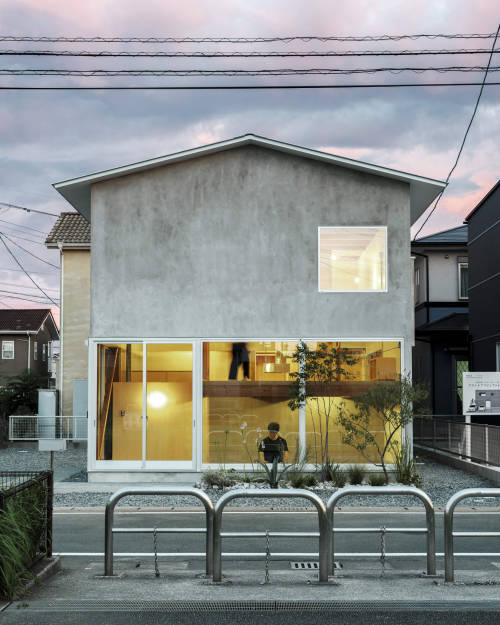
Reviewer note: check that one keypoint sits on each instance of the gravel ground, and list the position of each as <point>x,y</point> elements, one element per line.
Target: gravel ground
<point>439,481</point>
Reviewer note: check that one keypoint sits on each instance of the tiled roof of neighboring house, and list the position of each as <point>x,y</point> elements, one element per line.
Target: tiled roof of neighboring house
<point>454,236</point>
<point>23,319</point>
<point>71,229</point>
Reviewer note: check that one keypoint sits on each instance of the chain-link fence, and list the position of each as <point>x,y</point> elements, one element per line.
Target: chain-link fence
<point>472,441</point>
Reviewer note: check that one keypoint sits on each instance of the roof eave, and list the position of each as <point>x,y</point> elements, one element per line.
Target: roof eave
<point>422,190</point>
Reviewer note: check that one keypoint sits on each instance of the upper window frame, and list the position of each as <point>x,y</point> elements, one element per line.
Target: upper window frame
<point>460,266</point>
<point>363,227</point>
<point>13,350</point>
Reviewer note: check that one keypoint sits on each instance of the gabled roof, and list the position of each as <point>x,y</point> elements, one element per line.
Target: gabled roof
<point>482,201</point>
<point>71,230</point>
<point>18,320</point>
<point>453,236</point>
<point>422,190</point>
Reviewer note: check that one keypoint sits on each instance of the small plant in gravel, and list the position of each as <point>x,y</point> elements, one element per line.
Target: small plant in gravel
<point>356,474</point>
<point>219,478</point>
<point>405,465</point>
<point>377,479</point>
<point>310,480</point>
<point>298,480</point>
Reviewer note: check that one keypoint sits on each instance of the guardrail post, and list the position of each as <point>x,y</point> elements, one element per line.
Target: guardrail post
<point>384,490</point>
<point>274,493</point>
<point>449,565</point>
<point>152,490</point>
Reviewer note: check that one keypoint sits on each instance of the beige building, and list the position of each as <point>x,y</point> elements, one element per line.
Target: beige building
<point>71,235</point>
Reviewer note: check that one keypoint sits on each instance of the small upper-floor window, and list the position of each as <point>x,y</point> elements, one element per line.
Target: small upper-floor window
<point>35,350</point>
<point>44,352</point>
<point>8,350</point>
<point>352,258</point>
<point>463,280</point>
<point>417,285</point>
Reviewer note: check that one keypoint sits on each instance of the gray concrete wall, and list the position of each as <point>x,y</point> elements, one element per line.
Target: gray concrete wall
<point>226,246</point>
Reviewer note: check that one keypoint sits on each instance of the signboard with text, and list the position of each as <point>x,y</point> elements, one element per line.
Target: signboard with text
<point>481,393</point>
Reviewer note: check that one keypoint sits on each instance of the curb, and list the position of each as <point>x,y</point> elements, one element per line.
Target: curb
<point>42,571</point>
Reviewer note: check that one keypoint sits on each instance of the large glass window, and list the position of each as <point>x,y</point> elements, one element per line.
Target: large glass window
<point>246,385</point>
<point>161,392</point>
<point>352,259</point>
<point>119,402</point>
<point>371,361</point>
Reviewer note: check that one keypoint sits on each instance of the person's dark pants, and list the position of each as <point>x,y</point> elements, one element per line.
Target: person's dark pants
<point>233,370</point>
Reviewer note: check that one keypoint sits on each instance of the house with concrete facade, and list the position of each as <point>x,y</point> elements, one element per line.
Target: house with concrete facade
<point>207,268</point>
<point>71,236</point>
<point>27,335</point>
<point>441,353</point>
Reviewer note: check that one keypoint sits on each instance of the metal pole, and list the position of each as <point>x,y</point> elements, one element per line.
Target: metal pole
<point>451,504</point>
<point>384,490</point>
<point>278,493</point>
<point>50,508</point>
<point>155,490</point>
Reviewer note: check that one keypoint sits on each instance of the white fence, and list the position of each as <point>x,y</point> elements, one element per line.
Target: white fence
<point>34,428</point>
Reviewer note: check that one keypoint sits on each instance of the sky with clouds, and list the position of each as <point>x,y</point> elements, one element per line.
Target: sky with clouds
<point>49,136</point>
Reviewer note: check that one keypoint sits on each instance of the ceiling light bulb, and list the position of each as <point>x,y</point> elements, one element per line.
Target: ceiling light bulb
<point>156,399</point>
<point>356,279</point>
<point>333,256</point>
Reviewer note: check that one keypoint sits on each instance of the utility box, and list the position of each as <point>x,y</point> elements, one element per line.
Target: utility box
<point>47,411</point>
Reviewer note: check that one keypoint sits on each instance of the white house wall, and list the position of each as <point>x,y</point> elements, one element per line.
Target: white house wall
<point>226,246</point>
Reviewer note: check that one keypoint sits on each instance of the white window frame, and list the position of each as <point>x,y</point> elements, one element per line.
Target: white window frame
<point>417,285</point>
<point>5,344</point>
<point>460,266</point>
<point>371,226</point>
<point>35,350</point>
<point>197,435</point>
<point>44,352</point>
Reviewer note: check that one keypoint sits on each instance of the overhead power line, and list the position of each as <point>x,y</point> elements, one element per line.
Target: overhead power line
<point>28,252</point>
<point>14,224</point>
<point>29,210</point>
<point>25,272</point>
<point>237,54</point>
<point>318,71</point>
<point>34,297</point>
<point>238,88</point>
<point>464,139</point>
<point>289,39</point>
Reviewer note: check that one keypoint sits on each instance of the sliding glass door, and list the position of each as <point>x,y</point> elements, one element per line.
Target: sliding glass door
<point>145,404</point>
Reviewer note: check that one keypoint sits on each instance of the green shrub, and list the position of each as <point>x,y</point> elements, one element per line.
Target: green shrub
<point>219,478</point>
<point>377,479</point>
<point>339,480</point>
<point>310,480</point>
<point>21,526</point>
<point>335,474</point>
<point>406,468</point>
<point>298,480</point>
<point>356,474</point>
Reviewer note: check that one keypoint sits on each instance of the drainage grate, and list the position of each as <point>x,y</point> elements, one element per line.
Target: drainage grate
<point>308,565</point>
<point>255,606</point>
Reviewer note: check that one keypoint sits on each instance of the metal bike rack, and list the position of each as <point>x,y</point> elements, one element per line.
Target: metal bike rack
<point>279,493</point>
<point>448,525</point>
<point>109,530</point>
<point>430,530</point>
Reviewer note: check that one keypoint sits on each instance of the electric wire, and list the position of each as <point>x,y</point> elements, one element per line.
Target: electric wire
<point>16,235</point>
<point>28,251</point>
<point>236,88</point>
<point>37,297</point>
<point>289,39</point>
<point>243,55</point>
<point>29,210</point>
<point>318,71</point>
<point>24,270</point>
<point>33,301</point>
<point>463,140</point>
<point>22,286</point>
<point>14,224</point>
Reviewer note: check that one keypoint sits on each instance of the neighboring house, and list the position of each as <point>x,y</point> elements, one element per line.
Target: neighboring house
<point>26,336</point>
<point>71,235</point>
<point>484,283</point>
<point>207,267</point>
<point>441,352</point>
